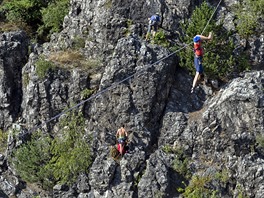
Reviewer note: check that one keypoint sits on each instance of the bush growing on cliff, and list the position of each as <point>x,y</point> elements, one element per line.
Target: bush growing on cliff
<point>3,140</point>
<point>248,13</point>
<point>218,60</point>
<point>52,16</point>
<point>31,158</point>
<point>44,16</point>
<point>70,152</point>
<point>61,159</point>
<point>42,67</point>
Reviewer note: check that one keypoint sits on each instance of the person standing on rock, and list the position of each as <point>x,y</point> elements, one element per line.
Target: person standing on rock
<point>121,136</point>
<point>198,56</point>
<point>154,22</point>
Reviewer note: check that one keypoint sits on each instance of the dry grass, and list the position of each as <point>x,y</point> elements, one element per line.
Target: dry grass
<point>8,27</point>
<point>73,58</point>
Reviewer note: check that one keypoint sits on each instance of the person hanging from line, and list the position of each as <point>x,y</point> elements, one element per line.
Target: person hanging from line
<point>154,22</point>
<point>198,57</point>
<point>121,136</point>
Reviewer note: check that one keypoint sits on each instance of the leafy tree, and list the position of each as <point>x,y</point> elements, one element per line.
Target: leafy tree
<point>31,158</point>
<point>248,13</point>
<point>61,159</point>
<point>70,152</point>
<point>218,59</point>
<point>27,11</point>
<point>53,15</point>
<point>45,16</point>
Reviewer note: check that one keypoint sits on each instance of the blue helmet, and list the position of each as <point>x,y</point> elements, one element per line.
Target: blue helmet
<point>196,39</point>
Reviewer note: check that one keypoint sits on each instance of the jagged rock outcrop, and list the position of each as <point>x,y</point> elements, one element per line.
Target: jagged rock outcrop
<point>215,130</point>
<point>13,56</point>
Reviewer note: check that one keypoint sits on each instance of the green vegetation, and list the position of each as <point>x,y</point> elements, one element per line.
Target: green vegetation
<point>108,4</point>
<point>222,176</point>
<point>78,42</point>
<point>30,159</point>
<point>60,159</point>
<point>25,79</point>
<point>160,39</point>
<point>86,93</point>
<point>181,161</point>
<point>197,188</point>
<point>248,13</point>
<point>70,152</point>
<point>181,166</point>
<point>241,193</point>
<point>218,60</point>
<point>167,149</point>
<point>3,141</point>
<point>45,17</point>
<point>202,186</point>
<point>53,16</point>
<point>42,67</point>
<point>260,140</point>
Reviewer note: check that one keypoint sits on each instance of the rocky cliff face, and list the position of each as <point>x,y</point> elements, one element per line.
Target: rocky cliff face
<point>214,131</point>
<point>13,56</point>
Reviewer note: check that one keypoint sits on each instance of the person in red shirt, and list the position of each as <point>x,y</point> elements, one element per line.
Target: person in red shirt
<point>198,57</point>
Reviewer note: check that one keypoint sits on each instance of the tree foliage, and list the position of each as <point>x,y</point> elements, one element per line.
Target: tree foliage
<point>30,159</point>
<point>218,59</point>
<point>70,152</point>
<point>60,159</point>
<point>45,16</point>
<point>248,13</point>
<point>27,11</point>
<point>53,15</point>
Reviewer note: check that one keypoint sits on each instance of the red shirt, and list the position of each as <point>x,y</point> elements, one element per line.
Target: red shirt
<point>198,50</point>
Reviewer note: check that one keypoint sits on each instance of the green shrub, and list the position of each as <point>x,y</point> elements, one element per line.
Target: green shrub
<point>25,79</point>
<point>222,176</point>
<point>218,60</point>
<point>248,14</point>
<point>181,166</point>
<point>260,140</point>
<point>160,39</point>
<point>86,93</point>
<point>42,67</point>
<point>70,152</point>
<point>167,148</point>
<point>27,11</point>
<point>53,16</point>
<point>45,17</point>
<point>197,188</point>
<point>30,159</point>
<point>49,161</point>
<point>3,141</point>
<point>78,42</point>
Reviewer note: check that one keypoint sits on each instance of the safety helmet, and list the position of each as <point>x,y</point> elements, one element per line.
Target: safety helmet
<point>196,39</point>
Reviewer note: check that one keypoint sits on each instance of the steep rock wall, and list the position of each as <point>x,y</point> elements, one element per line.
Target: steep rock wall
<point>13,56</point>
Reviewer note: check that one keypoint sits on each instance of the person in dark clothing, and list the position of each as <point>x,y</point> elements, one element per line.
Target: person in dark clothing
<point>154,22</point>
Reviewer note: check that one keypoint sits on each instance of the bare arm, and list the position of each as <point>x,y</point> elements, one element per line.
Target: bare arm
<point>209,37</point>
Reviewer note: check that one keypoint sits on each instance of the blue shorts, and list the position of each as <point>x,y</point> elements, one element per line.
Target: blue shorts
<point>198,64</point>
<point>121,140</point>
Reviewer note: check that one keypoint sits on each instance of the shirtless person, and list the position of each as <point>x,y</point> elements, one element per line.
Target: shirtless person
<point>121,136</point>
